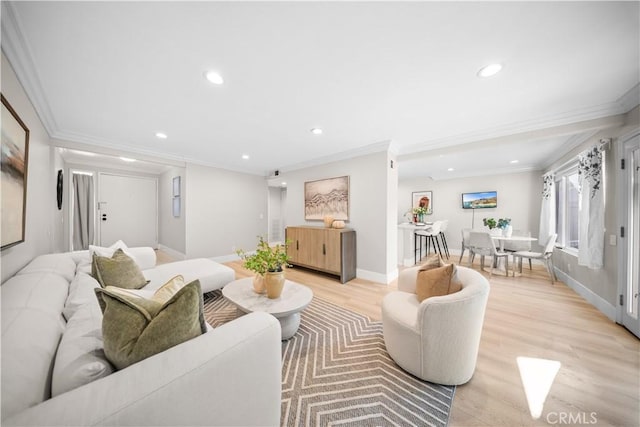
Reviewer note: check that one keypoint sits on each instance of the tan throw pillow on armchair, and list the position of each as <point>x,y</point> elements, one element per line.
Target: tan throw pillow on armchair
<point>135,327</point>
<point>437,282</point>
<point>434,261</point>
<point>120,271</point>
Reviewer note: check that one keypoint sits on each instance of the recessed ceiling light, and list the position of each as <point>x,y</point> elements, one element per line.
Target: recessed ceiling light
<point>513,161</point>
<point>316,131</point>
<point>490,70</point>
<point>245,156</point>
<point>450,169</point>
<point>214,77</point>
<point>284,183</point>
<point>126,159</point>
<point>161,135</point>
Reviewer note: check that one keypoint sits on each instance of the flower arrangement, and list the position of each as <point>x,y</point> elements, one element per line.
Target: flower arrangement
<point>420,210</point>
<point>503,223</point>
<point>266,258</point>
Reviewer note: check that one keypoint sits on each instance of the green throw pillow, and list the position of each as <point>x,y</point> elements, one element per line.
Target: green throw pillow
<point>120,271</point>
<point>135,327</point>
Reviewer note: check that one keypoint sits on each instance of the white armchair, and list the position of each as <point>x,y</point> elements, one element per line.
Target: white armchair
<point>436,340</point>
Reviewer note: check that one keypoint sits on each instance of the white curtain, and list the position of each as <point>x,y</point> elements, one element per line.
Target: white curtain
<point>548,208</point>
<point>591,246</point>
<point>83,218</point>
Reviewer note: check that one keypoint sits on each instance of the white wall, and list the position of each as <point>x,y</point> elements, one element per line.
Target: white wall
<point>227,211</point>
<point>368,187</point>
<point>40,233</point>
<point>518,198</point>
<point>171,230</point>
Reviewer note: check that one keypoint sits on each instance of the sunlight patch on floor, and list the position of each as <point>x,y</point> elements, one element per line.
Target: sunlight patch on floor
<point>537,376</point>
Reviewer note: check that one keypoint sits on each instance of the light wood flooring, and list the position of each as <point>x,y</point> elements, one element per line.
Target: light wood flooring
<point>599,377</point>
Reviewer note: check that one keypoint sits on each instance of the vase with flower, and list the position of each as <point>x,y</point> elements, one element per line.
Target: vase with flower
<point>505,225</point>
<point>419,213</point>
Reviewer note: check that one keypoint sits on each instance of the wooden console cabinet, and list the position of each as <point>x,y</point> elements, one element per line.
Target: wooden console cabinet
<point>329,250</point>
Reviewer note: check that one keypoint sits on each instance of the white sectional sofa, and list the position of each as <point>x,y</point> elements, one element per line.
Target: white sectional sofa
<point>54,371</point>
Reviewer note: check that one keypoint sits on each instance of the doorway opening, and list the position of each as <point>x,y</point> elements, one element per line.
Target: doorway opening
<point>628,308</point>
<point>81,210</point>
<point>277,199</point>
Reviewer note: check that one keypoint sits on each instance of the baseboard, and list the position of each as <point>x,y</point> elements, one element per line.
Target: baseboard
<point>385,279</point>
<point>591,297</point>
<point>172,252</point>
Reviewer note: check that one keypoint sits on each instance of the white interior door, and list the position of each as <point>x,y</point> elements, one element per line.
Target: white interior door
<point>630,300</point>
<point>128,210</point>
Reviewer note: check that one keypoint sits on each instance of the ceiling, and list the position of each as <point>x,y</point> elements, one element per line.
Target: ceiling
<point>372,75</point>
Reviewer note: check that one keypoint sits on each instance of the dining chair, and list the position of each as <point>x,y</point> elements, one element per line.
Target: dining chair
<point>518,245</point>
<point>443,228</point>
<point>481,243</point>
<point>544,256</point>
<point>465,244</point>
<point>430,238</point>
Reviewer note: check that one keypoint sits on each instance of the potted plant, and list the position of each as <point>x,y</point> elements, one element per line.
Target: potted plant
<point>268,263</point>
<point>493,226</point>
<point>489,222</point>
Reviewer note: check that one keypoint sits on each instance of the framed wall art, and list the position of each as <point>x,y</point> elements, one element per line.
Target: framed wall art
<point>59,188</point>
<point>422,199</point>
<point>327,197</point>
<point>175,207</point>
<point>15,159</point>
<point>176,186</point>
<point>175,202</point>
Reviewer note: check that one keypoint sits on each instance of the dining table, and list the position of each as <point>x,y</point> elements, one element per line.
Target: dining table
<point>502,239</point>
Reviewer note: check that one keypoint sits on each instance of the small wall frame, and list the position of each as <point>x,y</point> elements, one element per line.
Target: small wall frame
<point>422,199</point>
<point>176,186</point>
<point>175,203</point>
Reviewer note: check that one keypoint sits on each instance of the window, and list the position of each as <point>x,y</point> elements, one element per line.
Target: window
<point>568,207</point>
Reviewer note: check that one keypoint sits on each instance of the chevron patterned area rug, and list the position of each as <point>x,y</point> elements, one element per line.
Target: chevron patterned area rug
<point>336,371</point>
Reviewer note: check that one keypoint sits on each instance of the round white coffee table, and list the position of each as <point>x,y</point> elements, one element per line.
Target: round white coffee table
<point>286,309</point>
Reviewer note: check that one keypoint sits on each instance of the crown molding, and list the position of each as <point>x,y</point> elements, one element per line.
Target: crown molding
<point>103,146</point>
<point>593,125</point>
<point>571,143</point>
<point>631,99</point>
<point>492,172</point>
<point>18,53</point>
<point>584,118</point>
<point>377,147</point>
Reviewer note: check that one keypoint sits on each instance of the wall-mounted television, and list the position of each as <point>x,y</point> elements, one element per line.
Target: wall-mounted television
<point>480,200</point>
